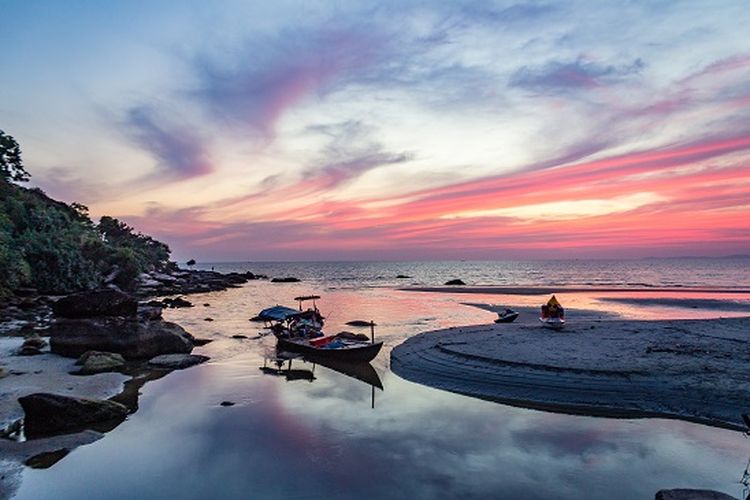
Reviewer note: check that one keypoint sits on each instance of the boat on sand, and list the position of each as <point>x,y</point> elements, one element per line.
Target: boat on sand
<point>553,314</point>
<point>507,316</point>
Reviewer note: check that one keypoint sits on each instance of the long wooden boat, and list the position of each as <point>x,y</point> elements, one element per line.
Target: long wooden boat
<point>332,348</point>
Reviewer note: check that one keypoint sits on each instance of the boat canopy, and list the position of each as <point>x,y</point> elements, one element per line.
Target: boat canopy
<point>278,313</point>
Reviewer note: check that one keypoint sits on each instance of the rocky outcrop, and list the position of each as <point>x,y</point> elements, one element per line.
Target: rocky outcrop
<point>454,282</point>
<point>47,414</point>
<point>184,282</point>
<point>99,362</point>
<point>96,303</point>
<point>177,361</point>
<point>288,279</point>
<point>129,337</point>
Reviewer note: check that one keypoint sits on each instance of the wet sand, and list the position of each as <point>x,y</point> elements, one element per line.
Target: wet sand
<point>535,290</point>
<point>697,370</point>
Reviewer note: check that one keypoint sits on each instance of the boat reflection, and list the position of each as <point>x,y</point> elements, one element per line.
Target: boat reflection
<point>279,363</point>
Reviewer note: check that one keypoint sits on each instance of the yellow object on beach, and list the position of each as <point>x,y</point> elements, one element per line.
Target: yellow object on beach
<point>553,303</point>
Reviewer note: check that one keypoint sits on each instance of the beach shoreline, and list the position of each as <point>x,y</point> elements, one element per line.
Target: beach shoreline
<point>694,370</point>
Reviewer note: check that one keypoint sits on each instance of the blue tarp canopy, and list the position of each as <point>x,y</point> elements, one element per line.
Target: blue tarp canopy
<point>277,313</point>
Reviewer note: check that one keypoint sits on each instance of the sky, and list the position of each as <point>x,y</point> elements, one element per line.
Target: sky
<point>240,131</point>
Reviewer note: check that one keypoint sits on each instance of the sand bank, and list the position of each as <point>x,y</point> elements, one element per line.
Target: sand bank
<point>696,370</point>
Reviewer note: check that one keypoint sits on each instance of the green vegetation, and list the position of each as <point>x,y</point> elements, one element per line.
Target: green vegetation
<point>55,247</point>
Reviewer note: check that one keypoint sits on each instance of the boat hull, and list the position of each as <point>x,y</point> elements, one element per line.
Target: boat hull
<point>366,352</point>
<point>510,318</point>
<point>553,323</point>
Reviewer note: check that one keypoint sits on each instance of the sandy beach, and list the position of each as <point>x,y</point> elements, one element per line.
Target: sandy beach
<point>695,370</point>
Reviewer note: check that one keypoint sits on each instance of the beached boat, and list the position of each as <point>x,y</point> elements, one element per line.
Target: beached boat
<point>301,331</point>
<point>553,314</point>
<point>507,316</point>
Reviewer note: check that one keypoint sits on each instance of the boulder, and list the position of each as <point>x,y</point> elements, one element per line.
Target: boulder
<point>131,338</point>
<point>177,302</point>
<point>177,361</point>
<point>149,313</point>
<point>455,282</point>
<point>34,340</point>
<point>288,279</point>
<point>98,362</point>
<point>689,494</point>
<point>46,414</point>
<point>402,277</point>
<point>96,303</point>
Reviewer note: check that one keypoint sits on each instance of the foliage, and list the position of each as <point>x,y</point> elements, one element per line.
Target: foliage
<point>11,166</point>
<point>56,248</point>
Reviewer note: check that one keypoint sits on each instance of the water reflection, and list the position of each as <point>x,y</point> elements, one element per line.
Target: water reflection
<point>319,437</point>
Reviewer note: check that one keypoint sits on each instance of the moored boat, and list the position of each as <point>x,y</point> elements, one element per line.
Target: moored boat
<point>553,314</point>
<point>301,331</point>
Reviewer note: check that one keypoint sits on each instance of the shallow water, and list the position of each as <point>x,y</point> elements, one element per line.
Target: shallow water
<point>323,438</point>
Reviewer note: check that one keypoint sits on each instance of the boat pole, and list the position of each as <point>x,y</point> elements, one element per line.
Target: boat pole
<point>372,331</point>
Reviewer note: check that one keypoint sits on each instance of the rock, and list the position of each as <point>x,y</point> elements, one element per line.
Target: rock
<point>47,414</point>
<point>149,313</point>
<point>208,319</point>
<point>689,494</point>
<point>47,459</point>
<point>96,303</point>
<point>402,277</point>
<point>455,282</point>
<point>200,342</point>
<point>288,279</point>
<point>131,338</point>
<point>227,403</point>
<point>34,340</point>
<point>177,302</point>
<point>27,350</point>
<point>177,361</point>
<point>239,336</point>
<point>98,362</point>
<point>206,305</point>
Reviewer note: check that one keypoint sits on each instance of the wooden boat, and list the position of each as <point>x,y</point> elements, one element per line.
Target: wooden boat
<point>507,316</point>
<point>301,331</point>
<point>553,314</point>
<point>331,347</point>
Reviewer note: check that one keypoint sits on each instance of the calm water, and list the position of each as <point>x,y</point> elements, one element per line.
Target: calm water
<point>317,434</point>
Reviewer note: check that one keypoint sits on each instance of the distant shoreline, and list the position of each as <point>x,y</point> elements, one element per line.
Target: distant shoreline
<point>542,290</point>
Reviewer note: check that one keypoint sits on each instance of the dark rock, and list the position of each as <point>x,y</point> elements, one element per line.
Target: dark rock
<point>358,322</point>
<point>27,350</point>
<point>149,313</point>
<point>96,303</point>
<point>34,340</point>
<point>131,338</point>
<point>227,403</point>
<point>200,342</point>
<point>455,282</point>
<point>47,414</point>
<point>206,305</point>
<point>288,279</point>
<point>177,302</point>
<point>177,361</point>
<point>689,494</point>
<point>239,336</point>
<point>208,319</point>
<point>402,277</point>
<point>47,459</point>
<point>99,362</point>
<point>27,304</point>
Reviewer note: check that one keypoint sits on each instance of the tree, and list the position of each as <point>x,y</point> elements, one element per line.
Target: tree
<point>11,166</point>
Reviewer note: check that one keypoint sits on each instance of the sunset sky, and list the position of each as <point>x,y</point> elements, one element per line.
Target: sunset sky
<point>391,130</point>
